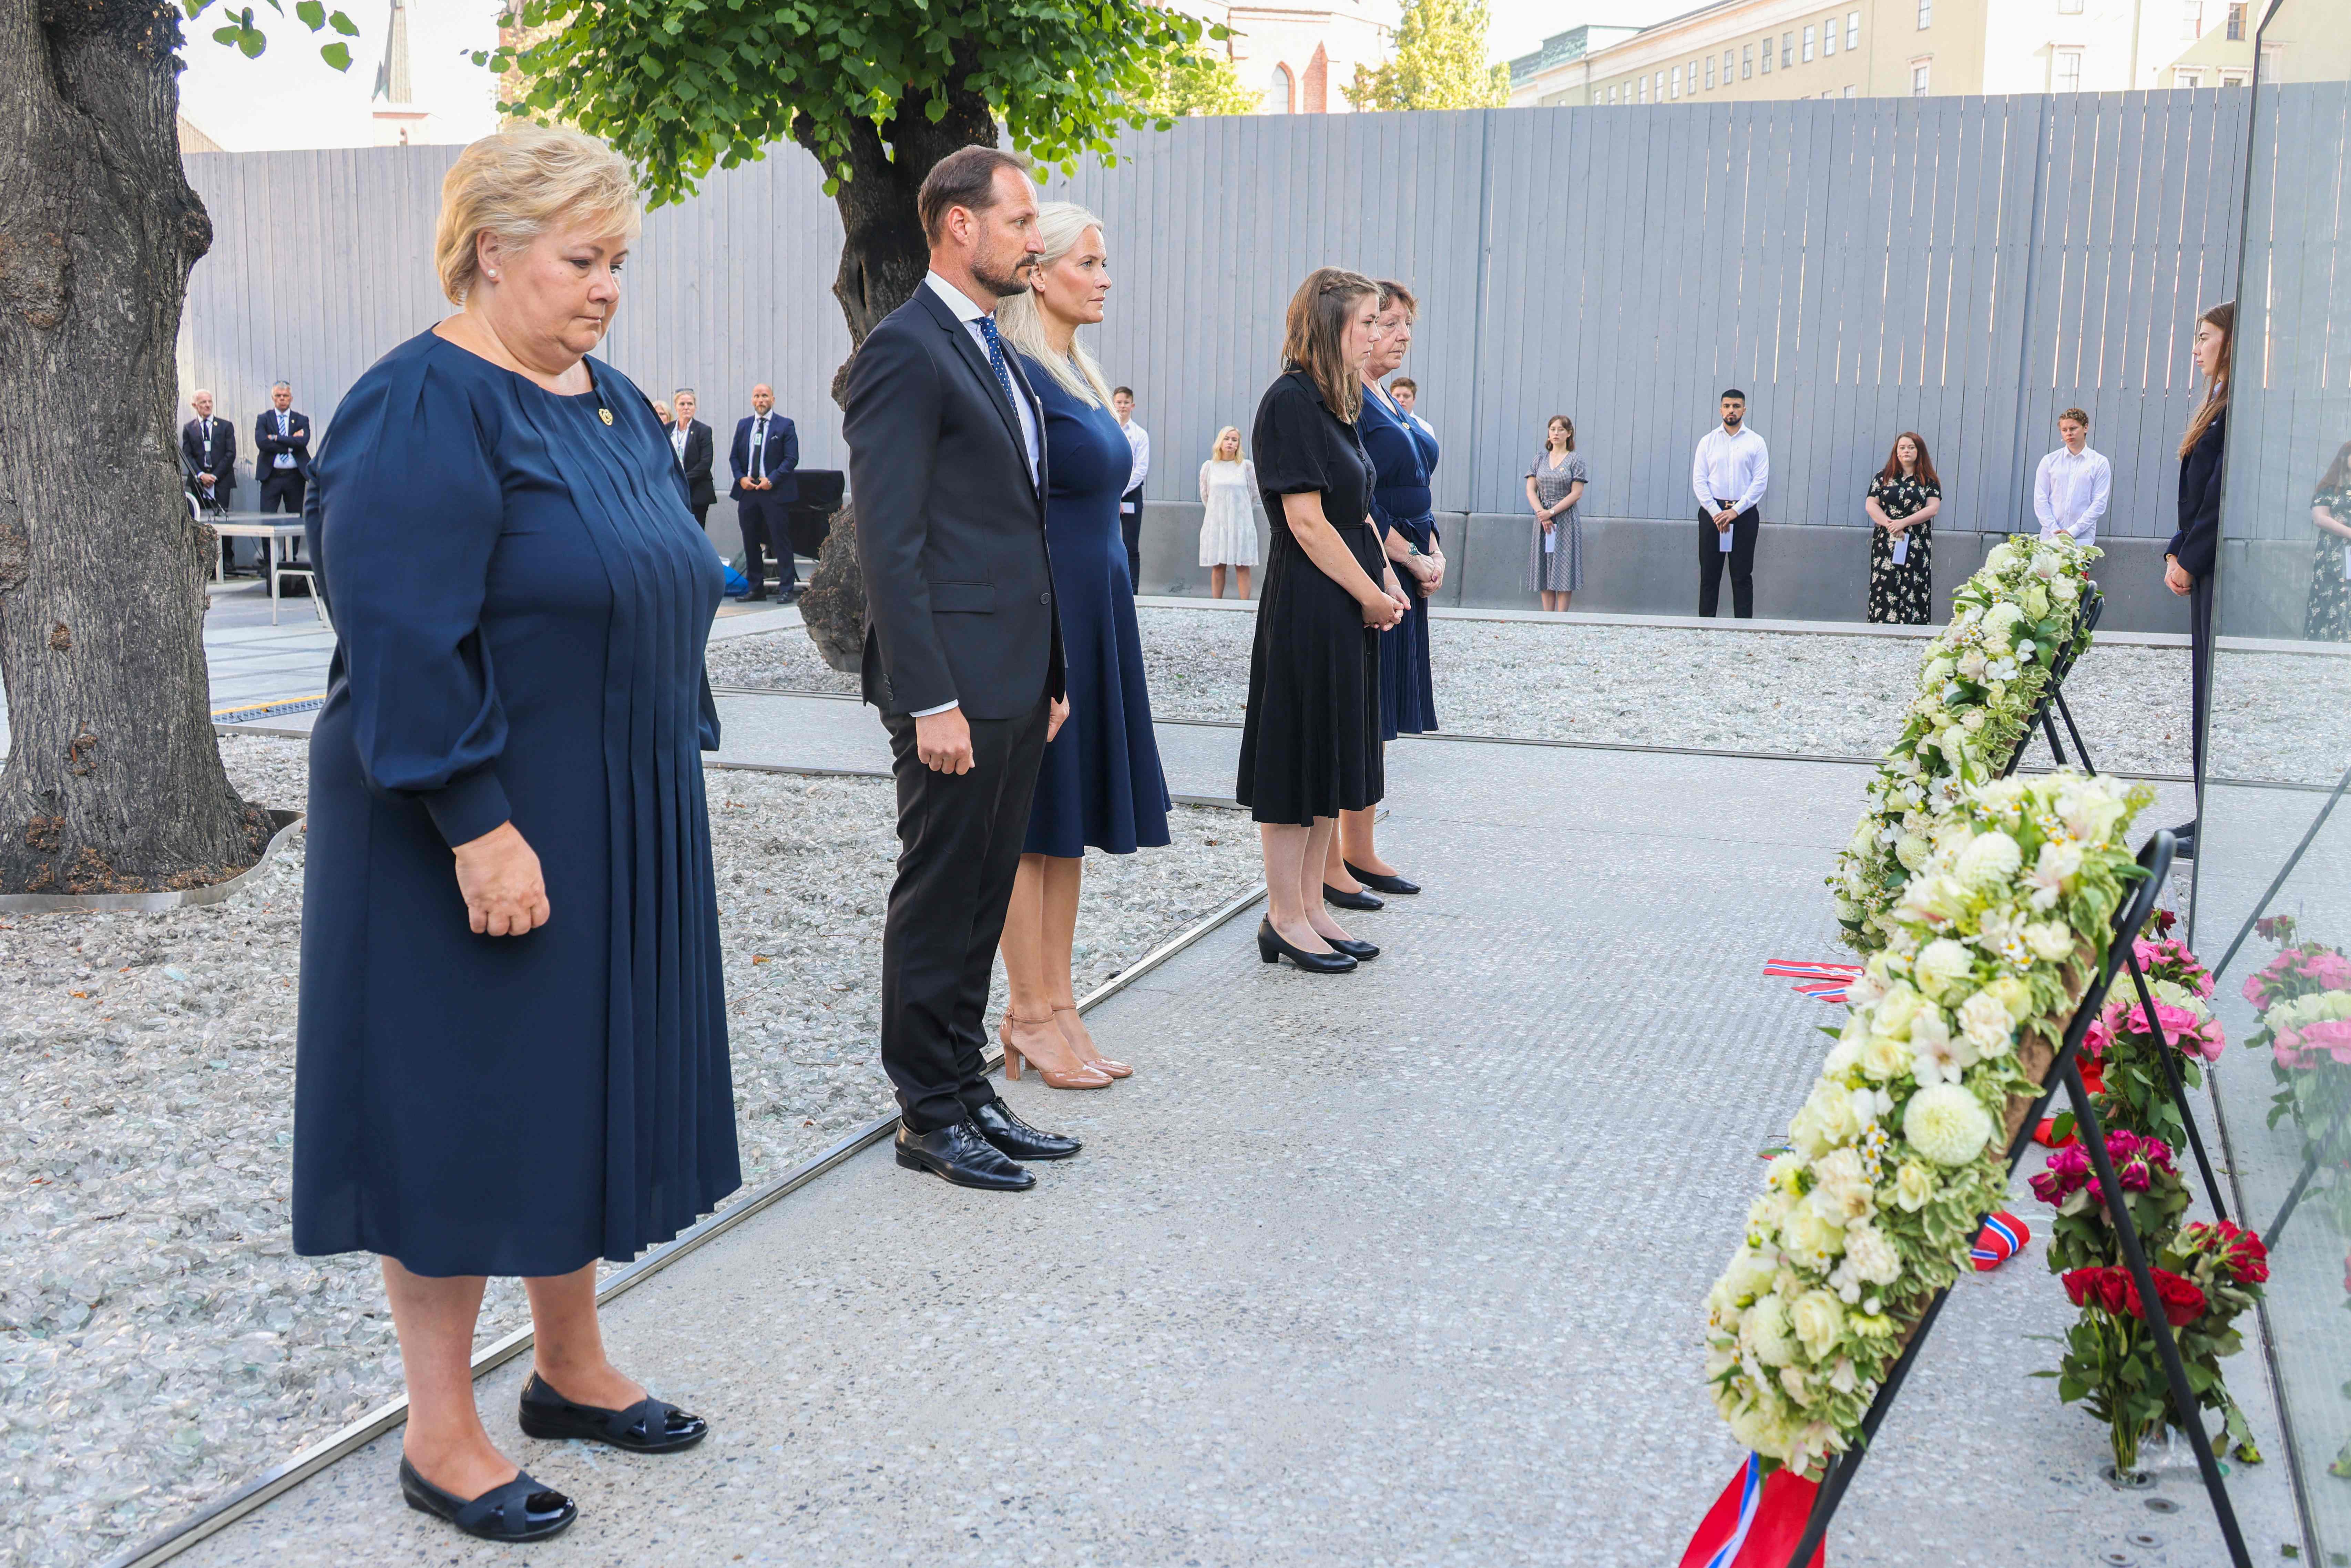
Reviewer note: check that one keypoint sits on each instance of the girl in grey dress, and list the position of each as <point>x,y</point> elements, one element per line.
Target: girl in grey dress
<point>1555,483</point>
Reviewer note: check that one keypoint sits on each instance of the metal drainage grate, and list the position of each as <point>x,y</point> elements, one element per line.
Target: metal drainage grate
<point>265,711</point>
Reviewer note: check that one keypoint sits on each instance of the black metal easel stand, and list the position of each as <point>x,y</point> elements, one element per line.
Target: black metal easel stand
<point>2178,1086</point>
<point>2156,859</point>
<point>2322,1149</point>
<point>2253,916</point>
<point>2052,706</point>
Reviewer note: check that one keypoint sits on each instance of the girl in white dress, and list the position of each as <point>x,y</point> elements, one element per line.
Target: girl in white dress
<point>1229,531</point>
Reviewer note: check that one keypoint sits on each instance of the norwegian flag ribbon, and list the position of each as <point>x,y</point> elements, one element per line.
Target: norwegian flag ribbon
<point>2004,1237</point>
<point>1823,982</point>
<point>1756,1523</point>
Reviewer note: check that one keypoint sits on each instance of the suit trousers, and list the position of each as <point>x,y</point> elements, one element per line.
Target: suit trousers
<point>281,491</point>
<point>1741,556</point>
<point>1130,529</point>
<point>701,516</point>
<point>2199,674</point>
<point>959,838</point>
<point>762,519</point>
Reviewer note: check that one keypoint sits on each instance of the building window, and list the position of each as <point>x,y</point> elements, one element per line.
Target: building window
<point>1770,49</point>
<point>1919,79</point>
<point>1926,15</point>
<point>2192,20</point>
<point>1277,91</point>
<point>2232,78</point>
<point>2236,23</point>
<point>1852,29</point>
<point>1787,51</point>
<point>1709,73</point>
<point>2067,77</point>
<point>1848,89</point>
<point>1747,62</point>
<point>1810,36</point>
<point>2187,78</point>
<point>1828,37</point>
<point>1675,89</point>
<point>1727,59</point>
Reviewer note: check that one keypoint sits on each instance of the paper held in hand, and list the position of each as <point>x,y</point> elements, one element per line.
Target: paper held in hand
<point>1722,538</point>
<point>1551,541</point>
<point>1901,549</point>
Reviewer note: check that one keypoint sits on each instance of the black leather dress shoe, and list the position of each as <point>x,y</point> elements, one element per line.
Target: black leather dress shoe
<point>1350,900</point>
<point>1373,879</point>
<point>647,1427</point>
<point>522,1509</point>
<point>1015,1139</point>
<point>1273,949</point>
<point>960,1154</point>
<point>1361,952</point>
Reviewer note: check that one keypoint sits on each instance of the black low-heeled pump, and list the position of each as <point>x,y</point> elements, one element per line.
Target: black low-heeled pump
<point>522,1509</point>
<point>647,1427</point>
<point>1350,900</point>
<point>1273,949</point>
<point>1361,952</point>
<point>1380,881</point>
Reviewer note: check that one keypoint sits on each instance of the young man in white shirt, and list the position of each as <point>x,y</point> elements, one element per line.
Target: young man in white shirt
<point>2073,484</point>
<point>1729,474</point>
<point>1130,505</point>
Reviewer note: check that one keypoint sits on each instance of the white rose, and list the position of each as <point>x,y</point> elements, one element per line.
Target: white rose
<point>1971,663</point>
<point>2050,940</point>
<point>2064,590</point>
<point>1817,1321</point>
<point>2000,559</point>
<point>2035,598</point>
<point>1914,1187</point>
<point>1809,1233</point>
<point>1883,1059</point>
<point>1985,1023</point>
<point>1990,859</point>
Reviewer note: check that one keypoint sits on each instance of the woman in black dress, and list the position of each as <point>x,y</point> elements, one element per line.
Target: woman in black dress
<point>505,1063</point>
<point>2189,559</point>
<point>2328,616</point>
<point>1902,499</point>
<point>1310,744</point>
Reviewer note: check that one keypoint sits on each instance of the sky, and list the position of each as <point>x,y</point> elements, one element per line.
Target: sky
<point>289,97</point>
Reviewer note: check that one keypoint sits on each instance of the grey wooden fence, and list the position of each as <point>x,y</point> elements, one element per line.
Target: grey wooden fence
<point>1961,266</point>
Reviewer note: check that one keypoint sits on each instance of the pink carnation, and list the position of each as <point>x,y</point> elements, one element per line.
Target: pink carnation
<point>2297,971</point>
<point>2195,1036</point>
<point>2169,959</point>
<point>2304,1047</point>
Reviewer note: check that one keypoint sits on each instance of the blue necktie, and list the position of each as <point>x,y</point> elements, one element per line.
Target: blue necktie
<point>995,360</point>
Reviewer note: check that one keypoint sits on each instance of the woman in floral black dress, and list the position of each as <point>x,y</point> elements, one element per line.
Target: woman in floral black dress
<point>1902,502</point>
<point>2329,616</point>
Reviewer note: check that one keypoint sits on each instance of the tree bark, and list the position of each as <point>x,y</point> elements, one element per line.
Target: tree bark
<point>883,258</point>
<point>113,782</point>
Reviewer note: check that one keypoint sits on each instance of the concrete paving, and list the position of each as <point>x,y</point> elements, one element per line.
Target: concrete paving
<point>1399,1267</point>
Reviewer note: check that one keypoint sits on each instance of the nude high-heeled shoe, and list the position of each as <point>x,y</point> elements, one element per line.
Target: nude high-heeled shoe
<point>1072,1026</point>
<point>1064,1072</point>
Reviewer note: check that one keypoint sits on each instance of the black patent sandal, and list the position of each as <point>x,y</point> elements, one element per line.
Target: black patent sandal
<point>522,1509</point>
<point>647,1427</point>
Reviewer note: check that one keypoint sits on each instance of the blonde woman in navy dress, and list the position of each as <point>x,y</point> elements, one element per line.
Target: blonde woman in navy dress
<point>512,1046</point>
<point>1100,785</point>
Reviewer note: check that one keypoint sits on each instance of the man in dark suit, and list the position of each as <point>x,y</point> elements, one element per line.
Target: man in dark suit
<point>281,451</point>
<point>208,455</point>
<point>766,451</point>
<point>696,451</point>
<point>962,651</point>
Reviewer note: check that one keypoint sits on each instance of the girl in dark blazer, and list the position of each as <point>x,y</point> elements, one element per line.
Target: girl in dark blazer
<point>2190,558</point>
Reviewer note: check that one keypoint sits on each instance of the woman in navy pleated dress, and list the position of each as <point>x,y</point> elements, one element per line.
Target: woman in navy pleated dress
<point>1404,455</point>
<point>512,1053</point>
<point>1101,786</point>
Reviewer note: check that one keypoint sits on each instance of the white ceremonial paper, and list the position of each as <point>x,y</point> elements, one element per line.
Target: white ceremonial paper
<point>1551,541</point>
<point>1901,549</point>
<point>2347,560</point>
<point>1722,538</point>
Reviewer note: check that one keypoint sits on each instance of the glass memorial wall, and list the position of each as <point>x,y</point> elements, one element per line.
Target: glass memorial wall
<point>2273,866</point>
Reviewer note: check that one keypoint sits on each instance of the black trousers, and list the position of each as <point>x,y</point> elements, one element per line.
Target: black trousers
<point>701,515</point>
<point>2199,674</point>
<point>1741,556</point>
<point>761,514</point>
<point>1130,528</point>
<point>959,838</point>
<point>281,491</point>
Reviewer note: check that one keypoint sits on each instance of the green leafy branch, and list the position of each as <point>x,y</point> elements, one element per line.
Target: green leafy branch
<point>240,33</point>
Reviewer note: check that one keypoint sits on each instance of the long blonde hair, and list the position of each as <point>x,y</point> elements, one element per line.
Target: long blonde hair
<point>2223,315</point>
<point>1312,331</point>
<point>1022,322</point>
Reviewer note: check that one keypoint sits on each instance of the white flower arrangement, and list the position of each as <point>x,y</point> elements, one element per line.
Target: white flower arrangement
<point>1979,682</point>
<point>1900,1149</point>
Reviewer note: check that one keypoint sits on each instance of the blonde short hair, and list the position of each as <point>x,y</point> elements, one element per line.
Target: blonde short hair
<point>521,182</point>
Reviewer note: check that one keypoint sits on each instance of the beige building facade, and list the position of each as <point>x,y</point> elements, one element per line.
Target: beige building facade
<point>1300,57</point>
<point>1741,49</point>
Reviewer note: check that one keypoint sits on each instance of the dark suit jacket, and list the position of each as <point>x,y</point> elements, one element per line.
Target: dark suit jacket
<point>267,445</point>
<point>219,459</point>
<point>950,526</point>
<point>2198,542</point>
<point>783,456</point>
<point>701,452</point>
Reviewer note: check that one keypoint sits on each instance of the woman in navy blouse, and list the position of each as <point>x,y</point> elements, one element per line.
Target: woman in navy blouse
<point>2195,548</point>
<point>1100,785</point>
<point>1404,455</point>
<point>512,1050</point>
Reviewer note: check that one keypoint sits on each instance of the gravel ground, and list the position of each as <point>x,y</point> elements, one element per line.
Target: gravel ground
<point>1734,690</point>
<point>159,1341</point>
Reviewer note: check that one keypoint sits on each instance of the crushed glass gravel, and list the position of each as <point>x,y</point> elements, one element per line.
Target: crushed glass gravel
<point>160,1341</point>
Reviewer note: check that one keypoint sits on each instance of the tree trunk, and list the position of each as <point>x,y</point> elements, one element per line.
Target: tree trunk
<point>883,258</point>
<point>113,782</point>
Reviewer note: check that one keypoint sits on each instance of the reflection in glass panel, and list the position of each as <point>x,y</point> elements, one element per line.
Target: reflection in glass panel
<point>2272,840</point>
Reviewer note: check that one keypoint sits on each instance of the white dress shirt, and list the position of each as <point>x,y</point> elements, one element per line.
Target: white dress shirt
<point>1138,442</point>
<point>677,433</point>
<point>969,314</point>
<point>1734,468</point>
<point>2070,494</point>
<point>285,429</point>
